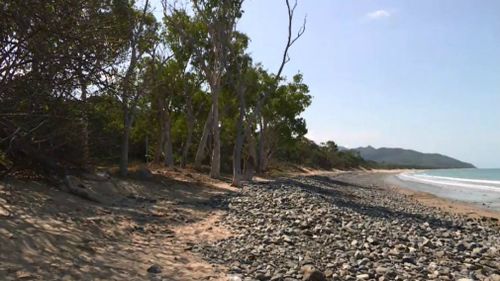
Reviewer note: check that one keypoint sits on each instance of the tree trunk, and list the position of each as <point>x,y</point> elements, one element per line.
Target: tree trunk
<point>85,128</point>
<point>159,148</point>
<point>259,142</point>
<point>251,162</point>
<point>146,149</point>
<point>215,163</point>
<point>238,147</point>
<point>240,136</point>
<point>169,157</point>
<point>161,135</point>
<point>200,152</point>
<point>190,126</point>
<point>262,148</point>
<point>125,143</point>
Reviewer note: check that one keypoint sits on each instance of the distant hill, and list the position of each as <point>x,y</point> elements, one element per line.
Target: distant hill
<point>409,158</point>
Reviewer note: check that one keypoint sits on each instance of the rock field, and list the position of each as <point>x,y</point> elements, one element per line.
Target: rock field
<point>319,228</point>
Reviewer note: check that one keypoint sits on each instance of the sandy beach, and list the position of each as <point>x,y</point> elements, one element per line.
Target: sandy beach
<point>185,226</point>
<point>432,196</point>
<point>488,199</point>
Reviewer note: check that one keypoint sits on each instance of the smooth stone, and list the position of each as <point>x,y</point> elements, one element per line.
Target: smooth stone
<point>4,212</point>
<point>313,275</point>
<point>494,277</point>
<point>362,277</point>
<point>381,270</point>
<point>262,277</point>
<point>329,273</point>
<point>155,269</point>
<point>234,278</point>
<point>408,259</point>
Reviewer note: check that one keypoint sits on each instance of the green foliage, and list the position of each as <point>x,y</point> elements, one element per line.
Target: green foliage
<point>87,67</point>
<point>323,156</point>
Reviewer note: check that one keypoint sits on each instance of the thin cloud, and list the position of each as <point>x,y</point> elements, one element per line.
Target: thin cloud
<point>378,14</point>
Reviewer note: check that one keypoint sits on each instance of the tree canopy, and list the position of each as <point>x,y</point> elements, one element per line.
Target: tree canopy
<point>85,82</point>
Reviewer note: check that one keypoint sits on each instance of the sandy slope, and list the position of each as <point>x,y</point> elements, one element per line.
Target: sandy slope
<point>47,234</point>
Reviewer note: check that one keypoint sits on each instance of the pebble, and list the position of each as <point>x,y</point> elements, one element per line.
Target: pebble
<point>234,278</point>
<point>155,269</point>
<point>314,275</point>
<point>313,227</point>
<point>4,212</point>
<point>363,277</point>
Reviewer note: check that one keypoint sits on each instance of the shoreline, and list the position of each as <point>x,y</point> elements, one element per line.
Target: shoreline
<point>387,179</point>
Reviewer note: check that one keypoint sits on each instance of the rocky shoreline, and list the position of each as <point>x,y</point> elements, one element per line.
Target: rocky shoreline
<point>320,228</point>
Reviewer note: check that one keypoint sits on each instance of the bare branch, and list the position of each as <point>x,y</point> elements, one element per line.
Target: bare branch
<point>291,40</point>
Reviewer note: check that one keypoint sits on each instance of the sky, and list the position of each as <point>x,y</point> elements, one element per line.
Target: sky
<point>416,74</point>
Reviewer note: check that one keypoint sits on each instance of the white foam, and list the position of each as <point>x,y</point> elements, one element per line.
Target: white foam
<point>495,183</point>
<point>452,182</point>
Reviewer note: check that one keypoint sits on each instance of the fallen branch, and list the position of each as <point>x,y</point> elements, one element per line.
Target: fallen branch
<point>74,186</point>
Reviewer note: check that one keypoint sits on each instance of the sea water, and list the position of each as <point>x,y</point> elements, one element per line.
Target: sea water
<point>479,186</point>
<point>485,179</point>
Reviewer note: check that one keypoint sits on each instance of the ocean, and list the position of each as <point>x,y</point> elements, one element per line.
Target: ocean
<point>477,186</point>
<point>484,179</point>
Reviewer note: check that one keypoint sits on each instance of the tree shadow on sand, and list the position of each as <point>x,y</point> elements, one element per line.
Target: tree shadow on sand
<point>52,235</point>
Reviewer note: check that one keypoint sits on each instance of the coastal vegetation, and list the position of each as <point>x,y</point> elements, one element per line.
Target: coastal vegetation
<point>109,83</point>
<point>146,143</point>
<point>106,82</point>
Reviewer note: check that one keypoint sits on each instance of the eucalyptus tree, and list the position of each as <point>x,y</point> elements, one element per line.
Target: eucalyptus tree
<point>158,85</point>
<point>291,39</point>
<point>212,29</point>
<point>186,35</point>
<point>142,34</point>
<point>168,95</point>
<point>219,18</point>
<point>280,122</point>
<point>182,37</point>
<point>241,81</point>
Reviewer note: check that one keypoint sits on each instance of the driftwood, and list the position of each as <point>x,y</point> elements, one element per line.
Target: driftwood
<point>74,186</point>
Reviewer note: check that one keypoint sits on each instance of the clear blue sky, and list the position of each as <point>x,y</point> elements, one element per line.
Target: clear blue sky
<point>419,74</point>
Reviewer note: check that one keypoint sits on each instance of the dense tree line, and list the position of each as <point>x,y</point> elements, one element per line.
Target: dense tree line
<point>90,81</point>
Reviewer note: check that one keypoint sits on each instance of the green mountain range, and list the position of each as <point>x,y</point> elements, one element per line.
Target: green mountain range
<point>405,158</point>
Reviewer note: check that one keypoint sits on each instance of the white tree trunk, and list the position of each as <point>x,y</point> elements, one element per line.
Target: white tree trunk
<point>200,152</point>
<point>215,163</point>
